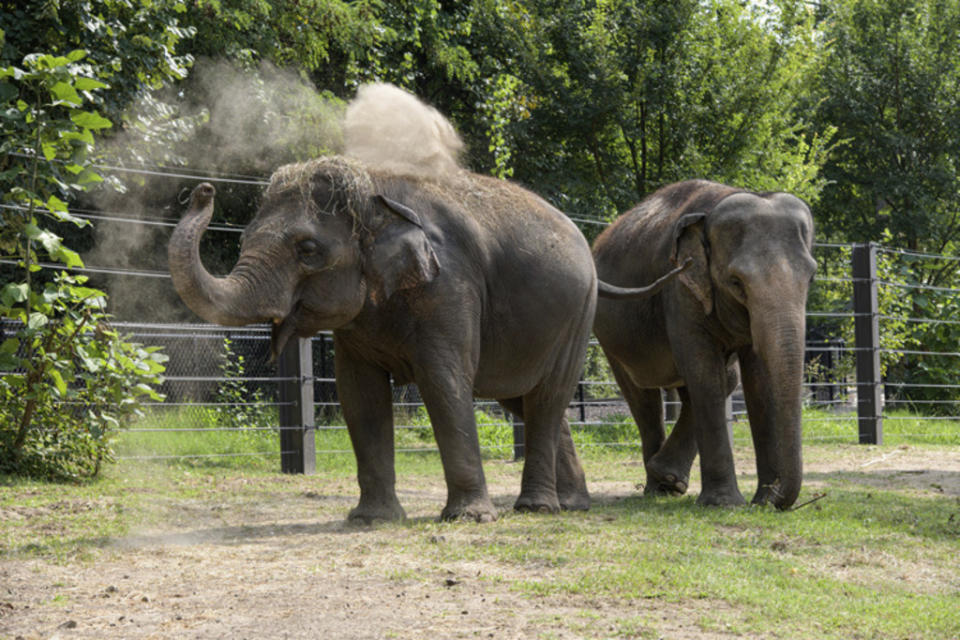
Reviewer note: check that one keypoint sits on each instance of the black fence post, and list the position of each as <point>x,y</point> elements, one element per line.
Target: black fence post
<point>671,405</point>
<point>517,437</point>
<point>867,338</point>
<point>581,396</point>
<point>298,451</point>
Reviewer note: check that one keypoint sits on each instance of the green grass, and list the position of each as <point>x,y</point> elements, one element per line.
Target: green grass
<point>166,434</point>
<point>871,560</point>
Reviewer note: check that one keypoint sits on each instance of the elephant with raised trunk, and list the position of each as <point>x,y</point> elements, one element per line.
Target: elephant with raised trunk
<point>742,301</point>
<point>464,284</point>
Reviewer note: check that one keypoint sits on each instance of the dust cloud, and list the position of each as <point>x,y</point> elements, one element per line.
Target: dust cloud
<point>389,128</point>
<point>224,124</point>
<point>234,127</point>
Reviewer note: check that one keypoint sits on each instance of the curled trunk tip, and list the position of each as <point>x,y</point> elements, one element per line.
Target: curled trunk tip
<point>202,195</point>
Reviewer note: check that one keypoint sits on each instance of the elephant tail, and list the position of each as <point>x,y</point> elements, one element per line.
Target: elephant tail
<point>605,290</point>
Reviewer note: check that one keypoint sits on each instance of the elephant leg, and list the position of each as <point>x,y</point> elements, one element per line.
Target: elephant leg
<point>646,407</point>
<point>543,412</point>
<point>367,403</point>
<point>706,374</point>
<point>668,472</point>
<point>756,394</point>
<point>571,480</point>
<point>572,490</point>
<point>450,406</point>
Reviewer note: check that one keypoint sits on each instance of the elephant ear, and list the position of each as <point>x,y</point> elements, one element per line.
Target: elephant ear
<point>689,243</point>
<point>397,254</point>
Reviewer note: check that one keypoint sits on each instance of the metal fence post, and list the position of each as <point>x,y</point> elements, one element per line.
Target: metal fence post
<point>867,338</point>
<point>517,437</point>
<point>671,405</point>
<point>728,417</point>
<point>298,451</point>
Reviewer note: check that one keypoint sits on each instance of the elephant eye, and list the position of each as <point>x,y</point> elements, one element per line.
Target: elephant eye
<point>736,284</point>
<point>307,248</point>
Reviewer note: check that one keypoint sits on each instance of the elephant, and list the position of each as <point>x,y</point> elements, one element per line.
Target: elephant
<point>740,304</point>
<point>464,284</point>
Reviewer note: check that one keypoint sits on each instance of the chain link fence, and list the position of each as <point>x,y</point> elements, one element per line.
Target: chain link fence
<point>222,397</point>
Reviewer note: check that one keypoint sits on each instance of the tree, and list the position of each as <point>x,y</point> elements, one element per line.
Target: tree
<point>132,46</point>
<point>67,378</point>
<point>889,84</point>
<point>622,97</point>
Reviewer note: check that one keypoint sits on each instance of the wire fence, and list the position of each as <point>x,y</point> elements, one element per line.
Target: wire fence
<point>224,398</point>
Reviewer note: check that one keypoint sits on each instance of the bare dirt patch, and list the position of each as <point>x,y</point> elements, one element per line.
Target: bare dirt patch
<point>273,558</point>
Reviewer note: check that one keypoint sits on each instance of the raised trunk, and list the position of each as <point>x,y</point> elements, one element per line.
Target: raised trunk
<point>779,345</point>
<point>225,301</point>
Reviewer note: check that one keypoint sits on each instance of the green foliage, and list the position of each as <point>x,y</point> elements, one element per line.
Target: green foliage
<point>622,97</point>
<point>239,407</point>
<point>132,46</point>
<point>888,84</point>
<point>69,379</point>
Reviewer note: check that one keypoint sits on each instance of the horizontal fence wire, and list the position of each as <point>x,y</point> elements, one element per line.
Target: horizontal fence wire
<point>205,397</point>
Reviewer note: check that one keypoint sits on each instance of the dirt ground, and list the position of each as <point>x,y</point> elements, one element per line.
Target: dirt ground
<point>245,568</point>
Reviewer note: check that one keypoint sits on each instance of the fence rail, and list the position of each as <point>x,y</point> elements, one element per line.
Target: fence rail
<point>296,399</point>
<point>302,388</point>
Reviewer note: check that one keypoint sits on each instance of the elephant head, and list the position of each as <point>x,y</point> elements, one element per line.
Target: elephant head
<point>323,243</point>
<point>751,269</point>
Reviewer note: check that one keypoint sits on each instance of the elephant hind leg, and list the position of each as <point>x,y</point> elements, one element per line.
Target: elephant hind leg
<point>646,408</point>
<point>668,472</point>
<point>570,481</point>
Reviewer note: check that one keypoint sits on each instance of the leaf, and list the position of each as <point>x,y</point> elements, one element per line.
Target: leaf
<point>69,257</point>
<point>76,55</point>
<point>58,382</point>
<point>88,177</point>
<point>64,92</point>
<point>37,320</point>
<point>56,204</point>
<point>13,293</point>
<point>90,120</point>
<point>90,364</point>
<point>89,84</point>
<point>8,91</point>
<point>49,151</point>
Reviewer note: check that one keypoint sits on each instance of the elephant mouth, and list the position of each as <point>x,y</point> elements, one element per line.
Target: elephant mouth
<point>283,329</point>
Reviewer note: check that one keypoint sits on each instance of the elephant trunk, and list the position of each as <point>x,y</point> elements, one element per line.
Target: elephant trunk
<point>780,345</point>
<point>226,300</point>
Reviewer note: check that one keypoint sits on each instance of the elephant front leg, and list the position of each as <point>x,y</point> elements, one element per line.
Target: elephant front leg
<point>756,394</point>
<point>705,371</point>
<point>367,403</point>
<point>450,407</point>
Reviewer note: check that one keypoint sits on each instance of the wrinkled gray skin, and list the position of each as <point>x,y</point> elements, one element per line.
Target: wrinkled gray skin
<point>742,301</point>
<point>480,288</point>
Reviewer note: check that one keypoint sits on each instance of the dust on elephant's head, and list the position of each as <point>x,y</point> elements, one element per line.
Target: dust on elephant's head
<point>325,241</point>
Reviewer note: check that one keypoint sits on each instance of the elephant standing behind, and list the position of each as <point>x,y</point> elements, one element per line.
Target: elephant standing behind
<point>426,273</point>
<point>741,302</point>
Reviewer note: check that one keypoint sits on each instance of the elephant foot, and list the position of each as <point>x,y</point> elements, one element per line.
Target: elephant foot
<point>477,510</point>
<point>769,494</point>
<point>537,503</point>
<point>725,497</point>
<point>575,501</point>
<point>370,512</point>
<point>662,481</point>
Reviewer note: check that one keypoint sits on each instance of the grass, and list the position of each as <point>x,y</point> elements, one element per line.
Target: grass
<point>877,558</point>
<point>201,432</point>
